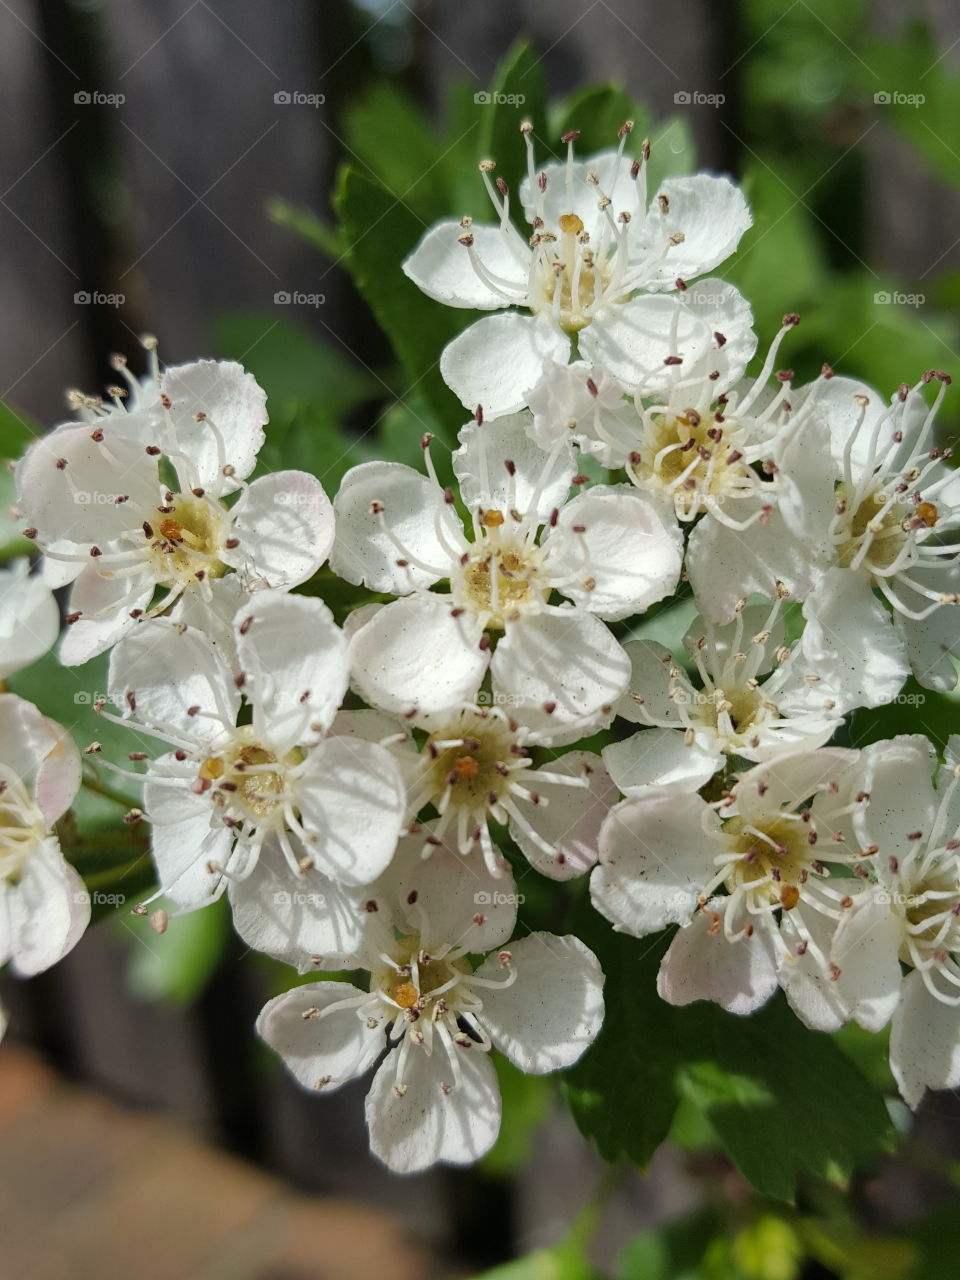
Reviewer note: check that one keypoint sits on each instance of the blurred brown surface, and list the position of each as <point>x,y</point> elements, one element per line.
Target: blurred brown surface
<point>90,1189</point>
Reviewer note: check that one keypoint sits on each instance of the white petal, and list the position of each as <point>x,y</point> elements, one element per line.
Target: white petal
<point>650,665</point>
<point>866,949</point>
<point>59,774</point>
<point>212,611</point>
<point>46,911</point>
<point>897,775</point>
<point>233,405</point>
<point>832,406</point>
<point>541,477</point>
<point>553,1011</point>
<point>160,674</point>
<point>105,605</point>
<point>656,854</point>
<point>352,796</point>
<point>630,551</point>
<point>368,546</point>
<point>41,753</point>
<point>565,659</point>
<point>189,853</point>
<point>29,617</point>
<point>702,965</point>
<point>440,266</point>
<point>661,758</point>
<point>331,1049</point>
<point>632,340</point>
<point>574,187</point>
<point>497,361</point>
<point>710,213</point>
<point>924,1042</point>
<point>582,402</point>
<point>68,483</point>
<point>850,641</point>
<point>295,659</point>
<point>413,654</point>
<point>284,523</point>
<point>932,643</point>
<point>447,898</point>
<point>727,313</point>
<point>432,1121</point>
<point>567,819</point>
<point>789,780</point>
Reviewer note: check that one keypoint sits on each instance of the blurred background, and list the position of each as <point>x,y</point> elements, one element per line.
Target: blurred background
<point>170,167</point>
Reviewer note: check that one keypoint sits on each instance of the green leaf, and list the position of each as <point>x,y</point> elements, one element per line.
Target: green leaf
<point>519,93</point>
<point>751,1078</point>
<point>673,1252</point>
<point>176,966</point>
<point>380,232</point>
<point>597,113</point>
<point>558,1263</point>
<point>306,224</point>
<point>16,431</point>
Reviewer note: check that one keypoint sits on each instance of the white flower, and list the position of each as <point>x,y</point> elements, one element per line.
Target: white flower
<point>269,806</point>
<point>435,1095</point>
<point>475,765</point>
<point>757,881</point>
<point>609,551</point>
<point>595,245</point>
<point>29,617</point>
<point>44,907</point>
<point>912,917</point>
<point>754,698</point>
<point>100,504</point>
<point>888,511</point>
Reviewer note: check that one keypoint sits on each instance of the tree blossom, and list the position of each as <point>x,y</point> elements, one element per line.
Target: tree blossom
<point>133,544</point>
<point>758,881</point>
<point>435,1096</point>
<point>888,558</point>
<point>269,805</point>
<point>608,550</point>
<point>597,250</point>
<point>29,617</point>
<point>754,698</point>
<point>44,907</point>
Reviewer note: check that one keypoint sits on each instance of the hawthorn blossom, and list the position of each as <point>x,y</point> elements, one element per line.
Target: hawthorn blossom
<point>754,697</point>
<point>888,555</point>
<point>758,881</point>
<point>44,907</point>
<point>435,1097</point>
<point>908,819</point>
<point>475,764</point>
<point>29,617</point>
<point>723,450</point>
<point>268,804</point>
<point>132,542</point>
<point>596,244</point>
<point>608,550</point>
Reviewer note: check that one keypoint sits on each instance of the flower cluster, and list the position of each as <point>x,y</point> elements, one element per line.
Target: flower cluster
<point>501,703</point>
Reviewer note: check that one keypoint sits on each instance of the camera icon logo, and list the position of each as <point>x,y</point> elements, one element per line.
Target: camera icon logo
<point>81,298</point>
<point>482,898</point>
<point>681,98</point>
<point>882,98</point>
<point>282,97</point>
<point>882,298</point>
<point>482,98</point>
<point>82,98</point>
<point>281,298</point>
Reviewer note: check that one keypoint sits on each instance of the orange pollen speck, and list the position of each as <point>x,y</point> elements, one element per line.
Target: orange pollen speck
<point>570,223</point>
<point>928,513</point>
<point>465,767</point>
<point>211,769</point>
<point>406,995</point>
<point>493,519</point>
<point>789,896</point>
<point>172,530</point>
